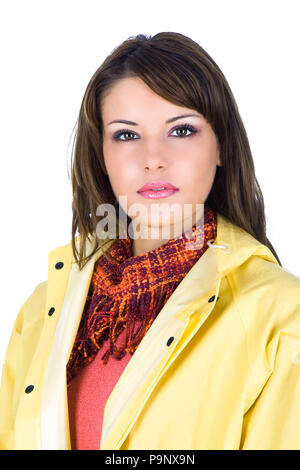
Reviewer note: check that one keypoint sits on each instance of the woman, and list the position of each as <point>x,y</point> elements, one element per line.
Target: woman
<point>187,339</point>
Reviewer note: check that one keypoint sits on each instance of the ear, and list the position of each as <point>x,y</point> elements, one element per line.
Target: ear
<point>219,159</point>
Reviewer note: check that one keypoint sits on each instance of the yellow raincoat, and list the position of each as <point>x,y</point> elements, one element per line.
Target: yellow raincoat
<point>230,379</point>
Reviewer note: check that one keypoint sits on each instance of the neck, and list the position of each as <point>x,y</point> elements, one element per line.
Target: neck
<point>141,247</point>
<point>148,238</point>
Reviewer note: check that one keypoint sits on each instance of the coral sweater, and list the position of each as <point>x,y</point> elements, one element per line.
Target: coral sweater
<point>87,396</point>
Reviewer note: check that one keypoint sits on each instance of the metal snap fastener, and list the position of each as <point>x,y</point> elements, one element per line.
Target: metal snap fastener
<point>59,265</point>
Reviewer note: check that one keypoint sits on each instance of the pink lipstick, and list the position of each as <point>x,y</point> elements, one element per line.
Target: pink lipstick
<point>157,190</point>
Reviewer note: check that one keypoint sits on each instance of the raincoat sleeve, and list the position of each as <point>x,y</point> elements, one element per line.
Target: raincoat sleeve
<point>8,384</point>
<point>18,356</point>
<point>273,420</point>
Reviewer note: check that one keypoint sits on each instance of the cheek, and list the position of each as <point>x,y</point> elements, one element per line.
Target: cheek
<point>198,176</point>
<point>113,164</point>
<point>199,168</point>
<point>115,157</point>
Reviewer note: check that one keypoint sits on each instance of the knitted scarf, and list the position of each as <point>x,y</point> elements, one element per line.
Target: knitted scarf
<point>127,293</point>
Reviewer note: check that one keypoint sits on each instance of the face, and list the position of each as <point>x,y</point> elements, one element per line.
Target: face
<point>183,152</point>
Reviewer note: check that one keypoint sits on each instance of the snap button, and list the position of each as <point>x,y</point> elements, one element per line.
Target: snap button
<point>170,340</point>
<point>59,265</point>
<point>226,247</point>
<point>51,311</point>
<point>29,389</point>
<point>213,298</point>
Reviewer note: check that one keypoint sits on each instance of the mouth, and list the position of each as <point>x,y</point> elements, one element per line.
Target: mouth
<point>158,193</point>
<point>157,190</point>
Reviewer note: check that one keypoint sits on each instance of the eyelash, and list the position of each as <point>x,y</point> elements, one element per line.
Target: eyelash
<point>183,126</point>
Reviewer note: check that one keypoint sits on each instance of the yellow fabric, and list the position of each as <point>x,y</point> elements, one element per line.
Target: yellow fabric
<point>230,379</point>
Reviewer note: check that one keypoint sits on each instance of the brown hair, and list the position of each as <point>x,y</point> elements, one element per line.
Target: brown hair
<point>178,69</point>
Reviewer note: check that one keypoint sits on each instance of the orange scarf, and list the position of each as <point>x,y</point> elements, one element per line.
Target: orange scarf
<point>129,292</point>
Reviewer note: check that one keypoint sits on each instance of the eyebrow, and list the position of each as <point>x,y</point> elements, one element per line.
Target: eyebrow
<point>123,121</point>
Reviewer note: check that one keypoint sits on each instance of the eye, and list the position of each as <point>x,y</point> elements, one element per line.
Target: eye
<point>123,132</point>
<point>127,132</point>
<point>185,127</point>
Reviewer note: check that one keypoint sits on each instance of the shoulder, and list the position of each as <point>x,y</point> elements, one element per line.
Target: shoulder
<point>267,284</point>
<point>32,310</point>
<point>36,301</point>
<point>268,300</point>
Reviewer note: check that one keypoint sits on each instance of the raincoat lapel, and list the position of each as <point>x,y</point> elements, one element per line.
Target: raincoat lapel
<point>170,332</point>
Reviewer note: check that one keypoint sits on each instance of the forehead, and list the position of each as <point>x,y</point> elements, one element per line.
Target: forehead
<point>132,95</point>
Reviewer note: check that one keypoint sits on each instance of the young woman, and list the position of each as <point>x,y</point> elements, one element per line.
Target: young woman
<point>142,340</point>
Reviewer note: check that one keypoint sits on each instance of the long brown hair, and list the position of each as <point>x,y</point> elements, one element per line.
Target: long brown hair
<point>178,69</point>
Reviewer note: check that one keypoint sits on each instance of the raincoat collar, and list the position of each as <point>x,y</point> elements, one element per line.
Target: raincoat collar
<point>230,239</point>
<point>239,243</point>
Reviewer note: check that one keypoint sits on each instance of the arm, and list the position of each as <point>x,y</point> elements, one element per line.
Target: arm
<point>7,386</point>
<point>273,421</point>
<point>20,350</point>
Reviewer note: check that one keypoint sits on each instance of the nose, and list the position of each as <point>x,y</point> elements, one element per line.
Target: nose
<point>153,167</point>
<point>154,160</point>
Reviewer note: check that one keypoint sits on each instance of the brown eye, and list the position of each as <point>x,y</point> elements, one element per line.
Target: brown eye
<point>125,132</point>
<point>184,128</point>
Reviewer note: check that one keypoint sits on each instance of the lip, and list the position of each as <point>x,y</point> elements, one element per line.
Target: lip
<point>152,190</point>
<point>157,185</point>
<point>151,194</point>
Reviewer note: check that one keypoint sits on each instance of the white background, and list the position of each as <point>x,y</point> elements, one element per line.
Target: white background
<point>49,51</point>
